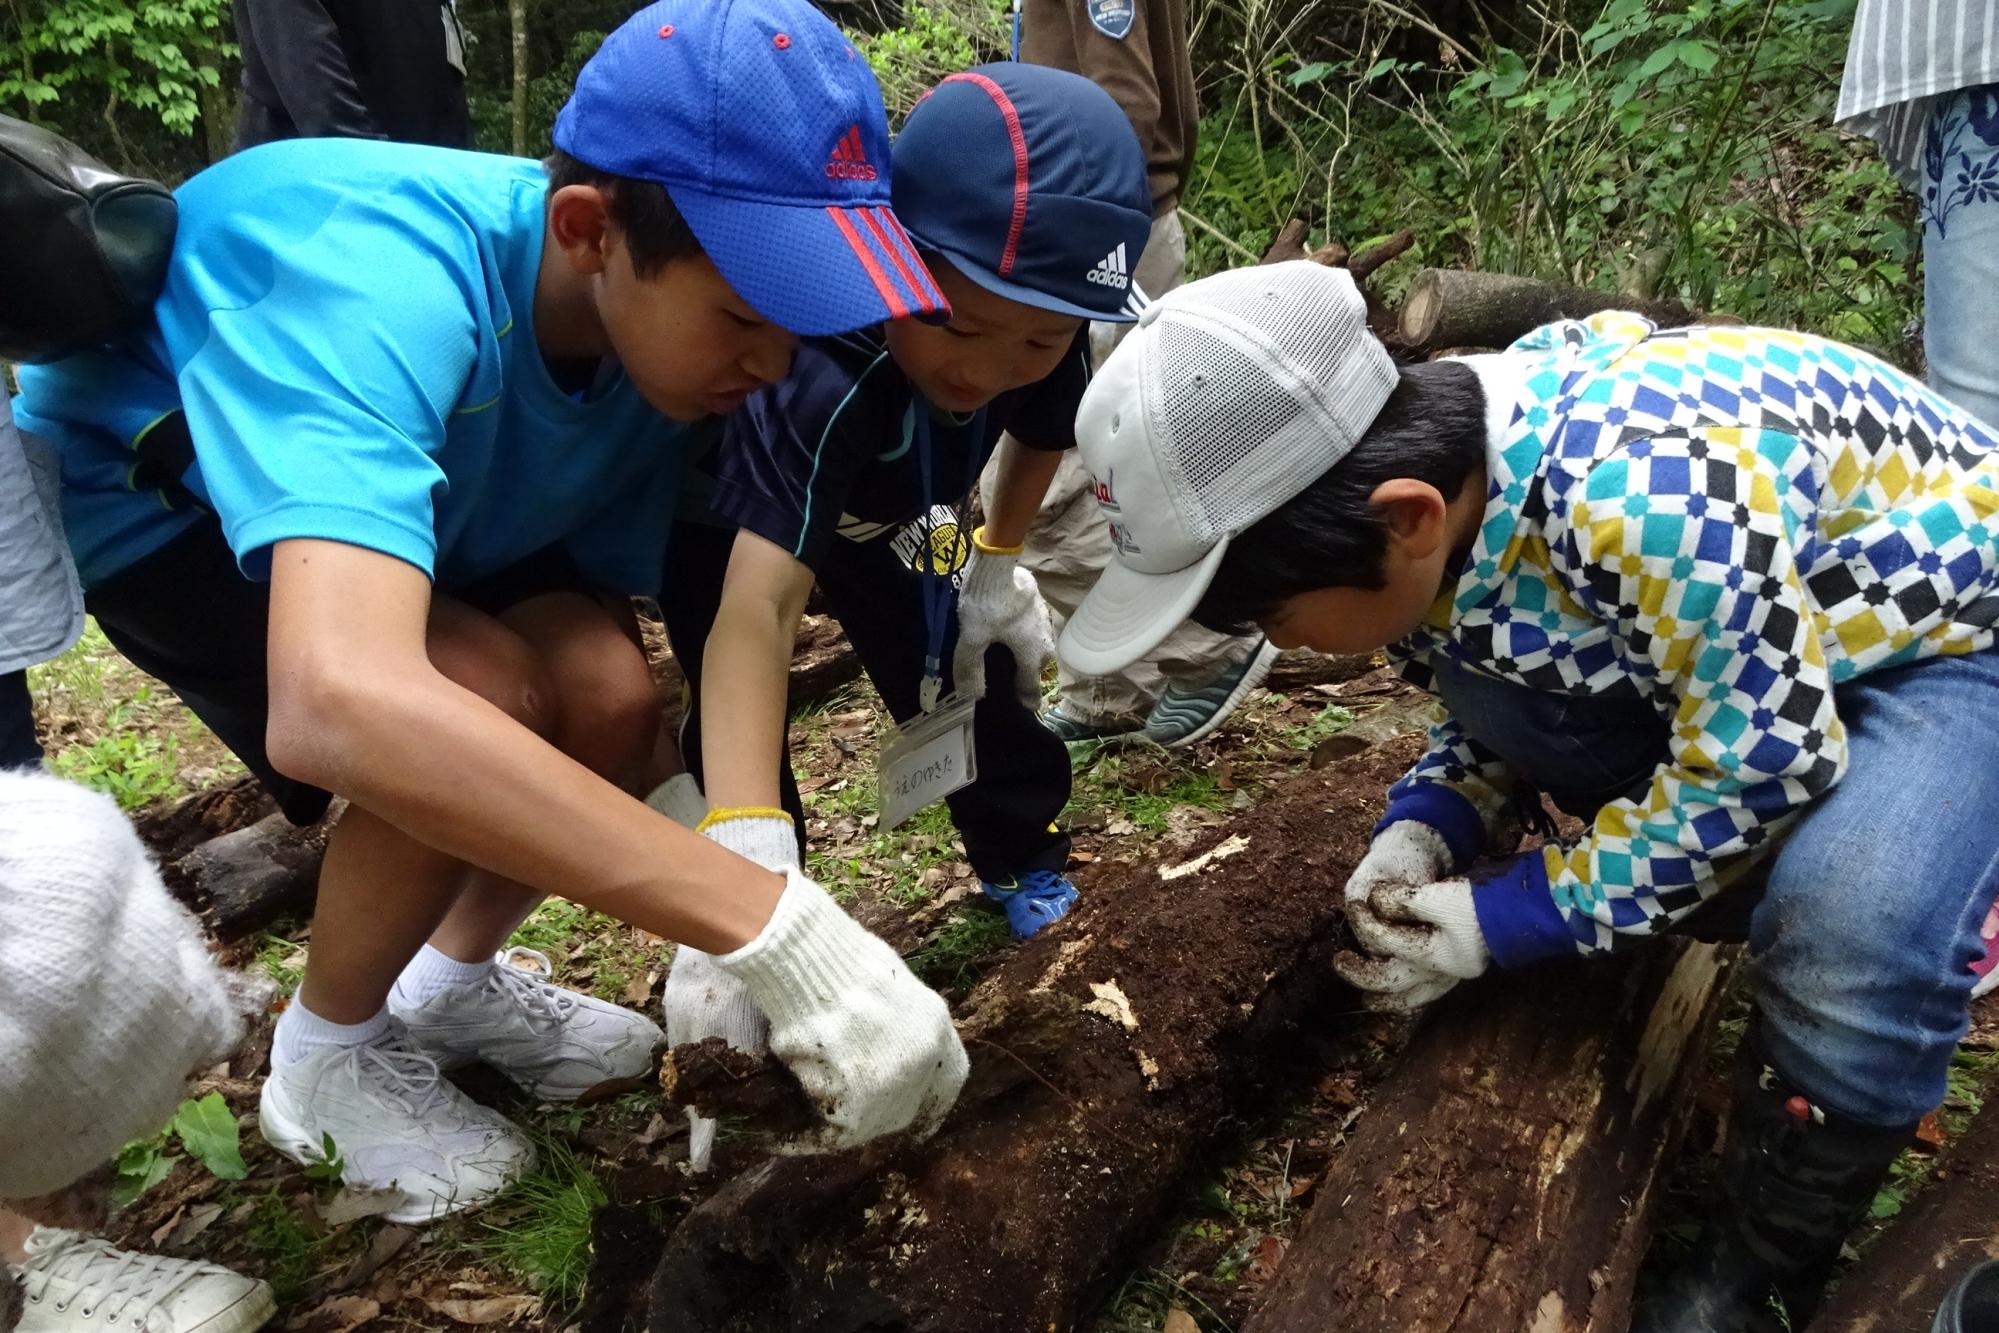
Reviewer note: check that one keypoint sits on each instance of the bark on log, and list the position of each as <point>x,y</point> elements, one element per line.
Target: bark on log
<point>1301,668</point>
<point>1503,1175</point>
<point>821,662</point>
<point>172,831</point>
<point>1951,1225</point>
<point>1105,1053</point>
<point>1363,265</point>
<point>1450,308</point>
<point>1288,244</point>
<point>243,881</point>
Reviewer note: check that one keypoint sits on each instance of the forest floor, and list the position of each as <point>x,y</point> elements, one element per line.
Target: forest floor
<point>618,1169</point>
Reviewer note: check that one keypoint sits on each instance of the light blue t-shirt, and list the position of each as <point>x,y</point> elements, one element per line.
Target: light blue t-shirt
<point>348,326</point>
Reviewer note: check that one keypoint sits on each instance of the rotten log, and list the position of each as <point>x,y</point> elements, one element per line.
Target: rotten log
<point>1105,1054</point>
<point>1301,668</point>
<point>243,881</point>
<point>822,661</point>
<point>1505,1173</point>
<point>1451,308</point>
<point>1951,1224</point>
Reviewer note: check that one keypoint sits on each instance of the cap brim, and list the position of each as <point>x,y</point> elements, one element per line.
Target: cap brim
<point>813,270</point>
<point>1128,614</point>
<point>1013,291</point>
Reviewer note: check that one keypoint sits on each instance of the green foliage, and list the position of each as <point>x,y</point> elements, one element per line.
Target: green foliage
<point>107,54</point>
<point>934,40</point>
<point>970,942</point>
<point>328,1168</point>
<point>134,768</point>
<point>284,1250</point>
<point>204,1127</point>
<point>1690,138</point>
<point>539,1230</point>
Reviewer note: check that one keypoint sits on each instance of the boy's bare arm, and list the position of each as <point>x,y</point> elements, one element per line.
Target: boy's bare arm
<point>745,671</point>
<point>1020,483</point>
<point>356,707</point>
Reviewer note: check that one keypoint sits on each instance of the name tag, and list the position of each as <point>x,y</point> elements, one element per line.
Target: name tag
<point>927,761</point>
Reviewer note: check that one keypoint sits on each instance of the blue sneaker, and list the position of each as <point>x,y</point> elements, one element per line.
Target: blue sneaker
<point>1033,900</point>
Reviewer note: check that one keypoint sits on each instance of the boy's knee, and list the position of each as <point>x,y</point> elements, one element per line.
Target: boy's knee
<point>609,712</point>
<point>507,674</point>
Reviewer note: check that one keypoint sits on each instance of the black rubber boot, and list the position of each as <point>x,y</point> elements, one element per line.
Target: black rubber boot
<point>1795,1178</point>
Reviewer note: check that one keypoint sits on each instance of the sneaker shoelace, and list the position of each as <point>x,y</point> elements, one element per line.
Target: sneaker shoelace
<point>545,1003</point>
<point>407,1077</point>
<point>108,1279</point>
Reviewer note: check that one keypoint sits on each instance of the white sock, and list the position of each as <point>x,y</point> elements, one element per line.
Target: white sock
<point>300,1032</point>
<point>430,972</point>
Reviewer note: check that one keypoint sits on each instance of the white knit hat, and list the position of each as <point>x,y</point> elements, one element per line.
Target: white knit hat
<point>108,996</point>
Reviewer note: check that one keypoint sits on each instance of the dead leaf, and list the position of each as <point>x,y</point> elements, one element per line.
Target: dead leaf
<point>1082,858</point>
<point>486,1310</point>
<point>388,1243</point>
<point>342,1314</point>
<point>1119,828</point>
<point>1335,748</point>
<point>1225,776</point>
<point>1930,1134</point>
<point>199,1219</point>
<point>1266,1258</point>
<point>639,989</point>
<point>1179,1321</point>
<point>352,1204</point>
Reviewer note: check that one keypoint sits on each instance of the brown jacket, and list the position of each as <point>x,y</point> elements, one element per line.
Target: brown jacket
<point>1147,70</point>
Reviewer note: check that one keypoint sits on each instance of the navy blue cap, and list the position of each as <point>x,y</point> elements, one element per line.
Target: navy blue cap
<point>1031,181</point>
<point>767,130</point>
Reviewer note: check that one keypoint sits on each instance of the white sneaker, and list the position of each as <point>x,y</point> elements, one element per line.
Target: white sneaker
<point>71,1283</point>
<point>555,1043</point>
<point>395,1123</point>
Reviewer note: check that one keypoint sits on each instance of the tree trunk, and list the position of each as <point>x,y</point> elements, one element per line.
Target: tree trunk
<point>1104,1054</point>
<point>1951,1225</point>
<point>1447,308</point>
<point>517,18</point>
<point>1503,1176</point>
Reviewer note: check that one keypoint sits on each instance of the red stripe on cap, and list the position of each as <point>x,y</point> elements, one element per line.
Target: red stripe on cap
<point>886,230</point>
<point>897,307</point>
<point>1013,130</point>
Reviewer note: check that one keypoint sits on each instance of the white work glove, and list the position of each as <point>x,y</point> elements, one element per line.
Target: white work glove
<point>999,604</point>
<point>700,999</point>
<point>873,1046</point>
<point>1419,928</point>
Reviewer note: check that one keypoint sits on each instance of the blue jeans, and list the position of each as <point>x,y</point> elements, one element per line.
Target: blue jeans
<point>1960,210</point>
<point>1867,927</point>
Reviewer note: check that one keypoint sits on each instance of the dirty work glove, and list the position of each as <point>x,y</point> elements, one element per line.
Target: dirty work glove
<point>700,999</point>
<point>999,604</point>
<point>872,1045</point>
<point>1399,971</point>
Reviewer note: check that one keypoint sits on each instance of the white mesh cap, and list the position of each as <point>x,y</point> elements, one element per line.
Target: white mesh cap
<point>1231,396</point>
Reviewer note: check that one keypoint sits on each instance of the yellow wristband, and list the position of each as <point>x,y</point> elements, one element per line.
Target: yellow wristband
<point>979,540</point>
<point>729,812</point>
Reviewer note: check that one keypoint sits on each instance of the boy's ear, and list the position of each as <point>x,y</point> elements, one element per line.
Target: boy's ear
<point>1415,514</point>
<point>579,217</point>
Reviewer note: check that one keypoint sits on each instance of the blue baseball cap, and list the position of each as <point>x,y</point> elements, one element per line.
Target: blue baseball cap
<point>1031,181</point>
<point>766,128</point>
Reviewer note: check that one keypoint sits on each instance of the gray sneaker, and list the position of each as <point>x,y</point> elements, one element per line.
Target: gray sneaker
<point>1073,731</point>
<point>1183,716</point>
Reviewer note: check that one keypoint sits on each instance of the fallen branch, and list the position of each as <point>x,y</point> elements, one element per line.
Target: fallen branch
<point>1450,308</point>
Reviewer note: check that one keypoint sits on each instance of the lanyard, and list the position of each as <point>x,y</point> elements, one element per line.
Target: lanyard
<point>1016,31</point>
<point>938,589</point>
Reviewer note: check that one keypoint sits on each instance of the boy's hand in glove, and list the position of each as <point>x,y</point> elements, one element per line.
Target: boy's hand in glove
<point>999,604</point>
<point>1420,930</point>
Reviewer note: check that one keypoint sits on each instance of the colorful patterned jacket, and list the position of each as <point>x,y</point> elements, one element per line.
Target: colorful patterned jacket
<point>1728,522</point>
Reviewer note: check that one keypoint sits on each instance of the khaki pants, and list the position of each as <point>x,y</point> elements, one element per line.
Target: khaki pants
<point>1069,545</point>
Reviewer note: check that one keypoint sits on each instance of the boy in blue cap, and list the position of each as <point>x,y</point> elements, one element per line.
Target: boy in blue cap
<point>1728,594</point>
<point>1024,189</point>
<point>372,496</point>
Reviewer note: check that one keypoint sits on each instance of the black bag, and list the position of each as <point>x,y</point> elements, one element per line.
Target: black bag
<point>83,250</point>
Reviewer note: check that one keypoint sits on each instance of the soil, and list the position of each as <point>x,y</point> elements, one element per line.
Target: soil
<point>720,1082</point>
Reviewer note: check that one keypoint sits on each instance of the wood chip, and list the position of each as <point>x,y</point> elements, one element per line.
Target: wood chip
<point>1179,1321</point>
<point>1222,850</point>
<point>1112,1003</point>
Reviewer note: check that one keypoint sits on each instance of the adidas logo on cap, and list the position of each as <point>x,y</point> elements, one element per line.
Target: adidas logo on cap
<point>849,161</point>
<point>1110,270</point>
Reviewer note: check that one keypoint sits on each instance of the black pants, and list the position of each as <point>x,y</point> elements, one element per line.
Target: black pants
<point>18,746</point>
<point>1007,817</point>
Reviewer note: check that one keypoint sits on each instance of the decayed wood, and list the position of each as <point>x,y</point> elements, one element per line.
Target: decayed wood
<point>1450,308</point>
<point>1951,1225</point>
<point>1104,1054</point>
<point>243,881</point>
<point>1301,668</point>
<point>1503,1175</point>
<point>821,661</point>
